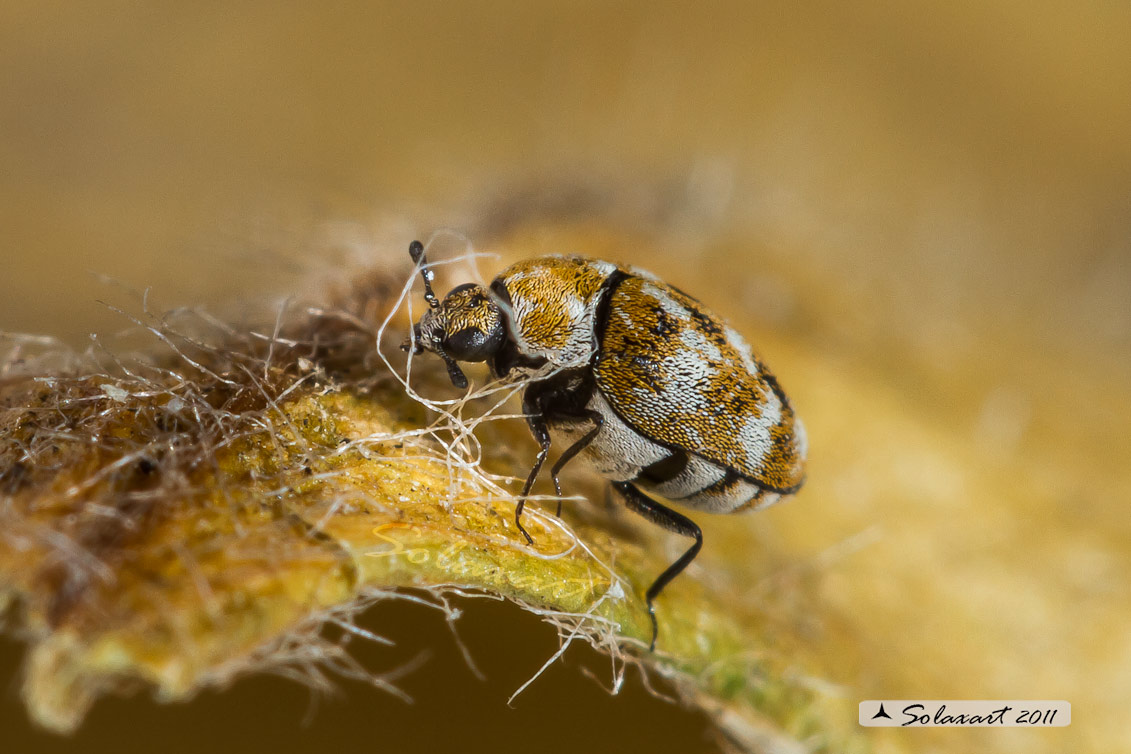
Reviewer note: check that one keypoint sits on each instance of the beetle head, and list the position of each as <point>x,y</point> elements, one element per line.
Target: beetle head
<point>466,326</point>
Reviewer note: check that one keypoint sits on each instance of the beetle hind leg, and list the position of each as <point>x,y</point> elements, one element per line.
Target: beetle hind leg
<point>672,521</point>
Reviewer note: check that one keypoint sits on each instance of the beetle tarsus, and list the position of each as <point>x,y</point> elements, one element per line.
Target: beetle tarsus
<point>518,520</point>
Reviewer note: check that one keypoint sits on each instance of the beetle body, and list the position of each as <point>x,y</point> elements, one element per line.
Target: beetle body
<point>652,388</point>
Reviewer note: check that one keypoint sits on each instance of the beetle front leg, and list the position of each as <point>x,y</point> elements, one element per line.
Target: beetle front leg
<point>672,521</point>
<point>542,434</point>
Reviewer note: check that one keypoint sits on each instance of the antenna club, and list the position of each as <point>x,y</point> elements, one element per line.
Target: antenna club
<point>416,251</point>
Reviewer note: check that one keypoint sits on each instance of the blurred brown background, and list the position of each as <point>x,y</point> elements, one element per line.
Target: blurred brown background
<point>931,201</point>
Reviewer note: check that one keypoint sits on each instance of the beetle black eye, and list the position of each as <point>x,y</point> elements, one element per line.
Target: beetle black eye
<point>472,344</point>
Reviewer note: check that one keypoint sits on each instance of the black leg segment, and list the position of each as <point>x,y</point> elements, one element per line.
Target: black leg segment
<point>561,397</point>
<point>672,521</point>
<point>542,435</point>
<point>573,450</point>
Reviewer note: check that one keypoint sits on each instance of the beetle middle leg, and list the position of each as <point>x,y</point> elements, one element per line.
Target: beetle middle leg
<point>573,450</point>
<point>672,521</point>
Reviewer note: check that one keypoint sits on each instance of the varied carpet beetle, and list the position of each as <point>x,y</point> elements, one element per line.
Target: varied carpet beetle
<point>657,392</point>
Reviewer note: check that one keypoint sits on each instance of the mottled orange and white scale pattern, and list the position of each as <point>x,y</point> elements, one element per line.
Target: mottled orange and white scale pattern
<point>674,372</point>
<point>469,307</point>
<point>671,377</point>
<point>552,307</point>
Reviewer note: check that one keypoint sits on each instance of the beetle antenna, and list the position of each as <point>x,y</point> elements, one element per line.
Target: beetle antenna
<point>416,251</point>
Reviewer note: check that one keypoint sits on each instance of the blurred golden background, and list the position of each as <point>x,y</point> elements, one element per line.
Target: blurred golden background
<point>920,213</point>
